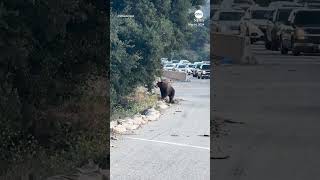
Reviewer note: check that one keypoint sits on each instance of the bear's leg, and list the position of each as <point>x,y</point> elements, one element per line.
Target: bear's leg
<point>163,94</point>
<point>171,95</point>
<point>171,99</point>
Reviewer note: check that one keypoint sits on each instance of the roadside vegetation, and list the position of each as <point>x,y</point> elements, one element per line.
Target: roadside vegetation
<point>135,103</point>
<point>53,98</point>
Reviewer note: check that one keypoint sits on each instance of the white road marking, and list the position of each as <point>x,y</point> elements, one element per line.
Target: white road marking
<point>171,143</point>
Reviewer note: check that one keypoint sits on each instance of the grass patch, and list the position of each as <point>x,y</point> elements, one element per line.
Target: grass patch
<point>134,104</point>
<point>76,131</point>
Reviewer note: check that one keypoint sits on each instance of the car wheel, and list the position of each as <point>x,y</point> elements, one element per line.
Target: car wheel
<point>295,52</point>
<point>274,46</point>
<point>252,41</point>
<point>247,32</point>
<point>283,49</point>
<point>267,45</point>
<point>198,77</point>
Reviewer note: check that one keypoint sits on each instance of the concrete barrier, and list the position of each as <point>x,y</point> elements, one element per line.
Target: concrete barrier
<point>174,75</point>
<point>235,47</point>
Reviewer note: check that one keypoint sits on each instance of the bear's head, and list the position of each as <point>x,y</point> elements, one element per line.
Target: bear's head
<point>159,84</point>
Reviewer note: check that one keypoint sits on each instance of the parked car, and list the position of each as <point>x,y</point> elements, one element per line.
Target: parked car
<point>276,24</point>
<point>169,67</point>
<point>184,62</point>
<point>164,60</point>
<point>248,29</point>
<point>197,67</point>
<point>190,68</point>
<point>175,61</point>
<point>205,62</point>
<point>254,23</point>
<point>213,10</point>
<point>227,21</point>
<point>260,16</point>
<point>204,71</point>
<point>312,4</point>
<point>278,4</point>
<point>181,68</point>
<point>303,33</point>
<point>243,4</point>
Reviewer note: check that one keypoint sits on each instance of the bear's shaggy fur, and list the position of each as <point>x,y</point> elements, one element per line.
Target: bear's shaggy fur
<point>166,90</point>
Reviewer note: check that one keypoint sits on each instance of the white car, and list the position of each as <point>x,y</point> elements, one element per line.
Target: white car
<point>184,62</point>
<point>169,67</point>
<point>260,16</point>
<point>164,61</point>
<point>181,68</point>
<point>196,68</point>
<point>190,68</point>
<point>227,21</point>
<point>313,4</point>
<point>175,61</point>
<point>254,23</point>
<point>205,62</point>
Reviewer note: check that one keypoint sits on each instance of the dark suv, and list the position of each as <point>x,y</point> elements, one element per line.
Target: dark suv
<point>203,71</point>
<point>303,34</point>
<point>311,4</point>
<point>275,25</point>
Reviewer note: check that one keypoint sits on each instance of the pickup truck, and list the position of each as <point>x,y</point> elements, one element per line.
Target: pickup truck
<point>303,33</point>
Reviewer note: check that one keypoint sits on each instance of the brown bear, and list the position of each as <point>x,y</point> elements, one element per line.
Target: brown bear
<point>166,90</point>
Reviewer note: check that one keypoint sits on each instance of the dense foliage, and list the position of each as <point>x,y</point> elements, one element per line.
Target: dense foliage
<point>51,52</point>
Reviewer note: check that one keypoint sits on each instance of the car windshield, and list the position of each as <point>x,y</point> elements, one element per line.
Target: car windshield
<point>261,14</point>
<point>307,18</point>
<point>205,67</point>
<point>182,66</point>
<point>169,65</point>
<point>283,16</point>
<point>198,65</point>
<point>191,66</point>
<point>231,16</point>
<point>175,61</point>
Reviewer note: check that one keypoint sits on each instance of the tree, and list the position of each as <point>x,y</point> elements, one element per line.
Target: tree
<point>49,49</point>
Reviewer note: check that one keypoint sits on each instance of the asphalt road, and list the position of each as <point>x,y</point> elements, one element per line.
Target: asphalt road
<point>275,58</point>
<point>278,102</point>
<point>173,147</point>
